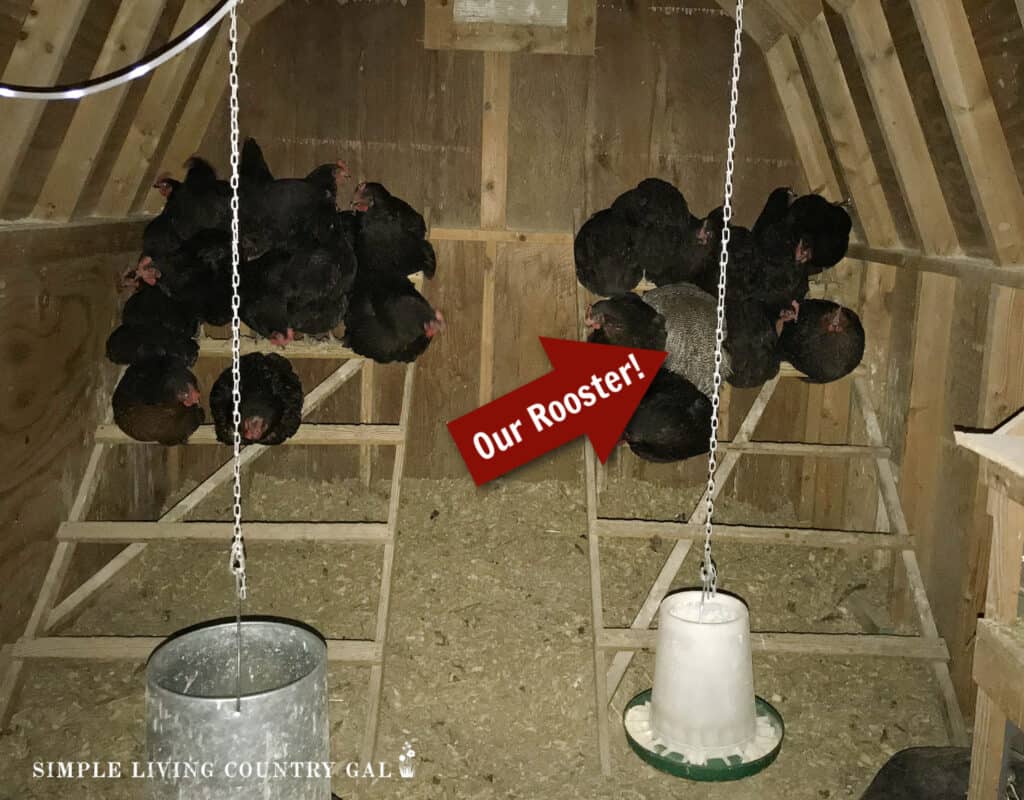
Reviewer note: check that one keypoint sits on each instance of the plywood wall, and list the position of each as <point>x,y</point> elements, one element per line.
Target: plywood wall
<point>58,302</point>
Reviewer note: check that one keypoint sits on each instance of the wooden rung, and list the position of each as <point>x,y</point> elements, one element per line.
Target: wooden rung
<point>139,648</point>
<point>308,434</point>
<point>822,644</point>
<point>753,534</point>
<point>123,532</point>
<point>500,235</point>
<point>804,449</point>
<point>787,370</point>
<point>306,348</point>
<point>998,665</point>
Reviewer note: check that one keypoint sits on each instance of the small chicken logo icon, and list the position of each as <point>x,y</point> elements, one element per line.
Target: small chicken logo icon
<point>406,767</point>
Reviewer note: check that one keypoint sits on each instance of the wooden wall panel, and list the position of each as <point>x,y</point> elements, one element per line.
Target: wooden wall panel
<point>59,304</point>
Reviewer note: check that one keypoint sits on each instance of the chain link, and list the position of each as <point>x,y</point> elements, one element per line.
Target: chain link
<point>708,570</point>
<point>237,542</point>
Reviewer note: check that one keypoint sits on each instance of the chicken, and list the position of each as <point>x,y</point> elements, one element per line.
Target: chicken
<point>391,235</point>
<point>690,316</point>
<point>153,326</point>
<point>672,422</point>
<point>753,273</point>
<point>606,255</point>
<point>201,202</point>
<point>647,232</point>
<point>388,320</point>
<point>158,401</point>
<point>626,320</point>
<point>932,773</point>
<point>752,342</point>
<point>285,213</point>
<point>306,291</point>
<point>666,234</point>
<point>825,343</point>
<point>271,400</point>
<point>197,275</point>
<point>809,230</point>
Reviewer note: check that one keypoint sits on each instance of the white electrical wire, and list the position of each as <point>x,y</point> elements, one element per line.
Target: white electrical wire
<point>708,571</point>
<point>237,542</point>
<point>131,72</point>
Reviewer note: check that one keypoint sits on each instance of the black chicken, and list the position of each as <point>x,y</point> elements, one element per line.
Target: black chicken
<point>198,203</point>
<point>753,273</point>
<point>391,235</point>
<point>825,342</point>
<point>388,320</point>
<point>153,326</point>
<point>306,291</point>
<point>665,234</point>
<point>606,254</point>
<point>271,400</point>
<point>672,422</point>
<point>196,275</point>
<point>285,213</point>
<point>627,321</point>
<point>932,773</point>
<point>809,231</point>
<point>158,401</point>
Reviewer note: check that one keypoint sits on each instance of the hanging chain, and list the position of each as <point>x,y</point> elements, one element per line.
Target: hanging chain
<point>237,543</point>
<point>708,571</point>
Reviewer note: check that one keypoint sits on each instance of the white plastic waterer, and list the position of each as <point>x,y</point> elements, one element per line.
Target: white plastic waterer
<point>702,704</point>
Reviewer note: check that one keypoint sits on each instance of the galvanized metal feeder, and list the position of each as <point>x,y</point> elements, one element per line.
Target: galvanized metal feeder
<point>255,737</point>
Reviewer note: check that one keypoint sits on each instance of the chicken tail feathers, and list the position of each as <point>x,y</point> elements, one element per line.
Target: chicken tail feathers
<point>253,166</point>
<point>429,259</point>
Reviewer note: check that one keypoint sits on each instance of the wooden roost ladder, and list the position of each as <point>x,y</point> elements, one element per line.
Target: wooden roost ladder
<point>48,612</point>
<point>623,642</point>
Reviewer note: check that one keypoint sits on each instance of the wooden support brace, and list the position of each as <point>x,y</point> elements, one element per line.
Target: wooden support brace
<point>220,532</point>
<point>308,434</point>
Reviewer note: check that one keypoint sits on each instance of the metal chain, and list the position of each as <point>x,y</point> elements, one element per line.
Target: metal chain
<point>237,542</point>
<point>708,570</point>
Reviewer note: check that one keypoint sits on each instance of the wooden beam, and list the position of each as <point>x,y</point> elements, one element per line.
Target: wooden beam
<point>139,648</point>
<point>998,667</point>
<point>897,117</point>
<point>73,166</point>
<point>150,121</point>
<point>847,133</point>
<point>796,103</point>
<point>37,58</point>
<point>823,644</point>
<point>487,332</point>
<point>956,266</point>
<point>126,532</point>
<point>438,234</point>
<point>308,434</point>
<point>971,112</point>
<point>801,449</point>
<point>494,141</point>
<point>758,23</point>
<point>204,98</point>
<point>754,534</point>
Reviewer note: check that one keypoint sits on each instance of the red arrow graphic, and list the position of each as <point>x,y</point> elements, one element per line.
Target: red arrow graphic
<point>593,389</point>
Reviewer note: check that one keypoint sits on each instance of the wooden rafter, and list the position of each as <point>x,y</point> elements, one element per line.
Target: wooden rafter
<point>37,58</point>
<point>127,40</point>
<point>150,121</point>
<point>199,110</point>
<point>960,77</point>
<point>904,137</point>
<point>758,22</point>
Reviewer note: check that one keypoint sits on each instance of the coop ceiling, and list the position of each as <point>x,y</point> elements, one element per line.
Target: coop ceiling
<point>105,159</point>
